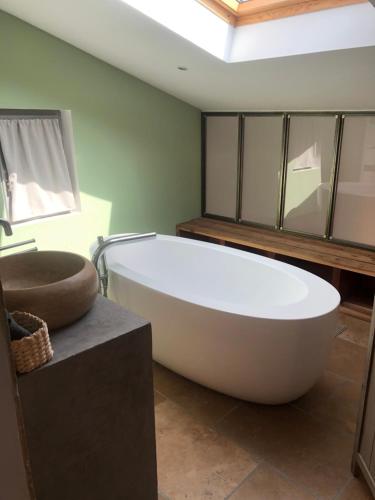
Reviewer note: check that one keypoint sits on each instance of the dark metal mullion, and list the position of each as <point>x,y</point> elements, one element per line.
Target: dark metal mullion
<point>5,188</point>
<point>335,175</point>
<point>284,171</point>
<point>241,129</point>
<point>4,167</point>
<point>203,164</point>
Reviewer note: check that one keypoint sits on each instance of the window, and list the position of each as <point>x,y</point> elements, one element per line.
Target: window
<point>242,12</point>
<point>262,154</point>
<point>221,165</point>
<point>37,164</point>
<point>306,172</point>
<point>311,153</point>
<point>355,197</point>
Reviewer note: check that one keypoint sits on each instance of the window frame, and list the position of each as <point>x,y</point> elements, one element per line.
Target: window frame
<point>64,118</point>
<point>257,11</point>
<point>328,236</point>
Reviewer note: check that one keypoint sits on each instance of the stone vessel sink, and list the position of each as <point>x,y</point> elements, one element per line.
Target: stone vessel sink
<point>59,287</point>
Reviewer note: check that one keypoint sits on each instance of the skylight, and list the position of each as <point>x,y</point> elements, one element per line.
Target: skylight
<point>234,31</point>
<point>242,12</point>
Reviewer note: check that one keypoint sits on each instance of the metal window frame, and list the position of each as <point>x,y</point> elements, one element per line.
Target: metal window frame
<point>203,171</point>
<point>18,113</point>
<point>329,114</point>
<point>344,115</point>
<point>340,118</point>
<point>280,171</point>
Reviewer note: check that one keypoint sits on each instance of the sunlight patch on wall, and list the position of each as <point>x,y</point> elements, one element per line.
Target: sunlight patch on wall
<point>72,232</point>
<point>190,20</point>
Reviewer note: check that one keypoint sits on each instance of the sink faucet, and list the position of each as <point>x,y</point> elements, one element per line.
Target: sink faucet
<point>7,227</point>
<point>103,244</point>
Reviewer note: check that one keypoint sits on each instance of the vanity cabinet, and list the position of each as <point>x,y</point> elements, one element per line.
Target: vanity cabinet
<point>364,453</point>
<point>86,418</point>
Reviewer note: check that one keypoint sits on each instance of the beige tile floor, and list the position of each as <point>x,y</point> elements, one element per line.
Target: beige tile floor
<point>210,446</point>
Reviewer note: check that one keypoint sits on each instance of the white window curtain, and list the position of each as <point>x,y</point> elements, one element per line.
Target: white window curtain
<point>39,182</point>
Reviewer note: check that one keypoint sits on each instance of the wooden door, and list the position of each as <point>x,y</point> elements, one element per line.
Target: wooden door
<point>364,452</point>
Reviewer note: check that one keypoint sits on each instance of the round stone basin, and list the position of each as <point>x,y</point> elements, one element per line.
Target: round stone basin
<point>58,287</point>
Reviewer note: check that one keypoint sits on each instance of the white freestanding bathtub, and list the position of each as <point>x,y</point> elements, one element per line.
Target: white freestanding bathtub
<point>241,324</point>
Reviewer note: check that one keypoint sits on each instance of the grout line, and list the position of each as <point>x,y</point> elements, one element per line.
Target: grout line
<point>292,481</point>
<point>211,425</point>
<point>160,393</point>
<point>345,379</point>
<point>226,414</point>
<point>349,341</point>
<point>342,489</point>
<point>323,419</point>
<point>341,329</point>
<point>163,495</point>
<point>236,488</point>
<point>343,339</point>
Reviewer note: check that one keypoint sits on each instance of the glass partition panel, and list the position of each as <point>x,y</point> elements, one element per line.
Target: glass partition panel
<point>263,144</point>
<point>221,165</point>
<point>311,154</point>
<point>354,218</point>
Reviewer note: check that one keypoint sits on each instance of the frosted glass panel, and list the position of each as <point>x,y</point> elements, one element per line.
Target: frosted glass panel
<point>354,218</point>
<point>263,137</point>
<point>221,165</point>
<point>310,163</point>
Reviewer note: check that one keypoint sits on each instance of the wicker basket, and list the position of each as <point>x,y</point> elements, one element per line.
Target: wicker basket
<point>31,352</point>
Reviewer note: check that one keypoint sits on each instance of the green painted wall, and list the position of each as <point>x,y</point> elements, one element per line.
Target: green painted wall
<point>137,148</point>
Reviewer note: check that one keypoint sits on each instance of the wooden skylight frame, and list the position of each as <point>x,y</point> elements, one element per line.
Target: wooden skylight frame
<point>257,11</point>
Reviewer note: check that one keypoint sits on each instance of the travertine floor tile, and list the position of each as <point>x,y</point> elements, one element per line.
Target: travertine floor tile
<point>266,483</point>
<point>161,496</point>
<point>357,331</point>
<point>333,399</point>
<point>206,405</point>
<point>324,389</point>
<point>307,445</point>
<point>158,398</point>
<point>347,360</point>
<point>194,461</point>
<point>357,489</point>
<point>302,447</point>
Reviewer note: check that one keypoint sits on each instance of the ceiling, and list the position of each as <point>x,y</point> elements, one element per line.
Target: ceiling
<point>122,36</point>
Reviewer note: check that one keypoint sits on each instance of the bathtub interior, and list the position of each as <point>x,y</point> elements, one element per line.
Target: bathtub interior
<point>222,278</point>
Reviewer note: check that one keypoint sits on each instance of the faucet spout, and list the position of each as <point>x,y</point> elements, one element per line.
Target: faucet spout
<point>7,227</point>
<point>99,254</point>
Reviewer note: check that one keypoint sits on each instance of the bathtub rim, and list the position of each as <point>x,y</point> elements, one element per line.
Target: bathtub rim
<point>298,310</point>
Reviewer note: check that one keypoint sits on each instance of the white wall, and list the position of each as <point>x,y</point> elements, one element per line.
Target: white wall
<point>347,27</point>
<point>122,36</point>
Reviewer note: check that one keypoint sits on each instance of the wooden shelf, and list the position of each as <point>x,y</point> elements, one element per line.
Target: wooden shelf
<point>331,261</point>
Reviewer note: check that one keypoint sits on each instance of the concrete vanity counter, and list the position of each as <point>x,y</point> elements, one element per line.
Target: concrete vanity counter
<point>89,415</point>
